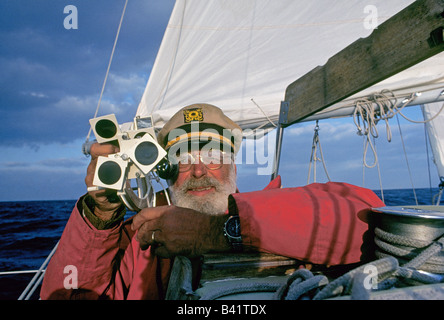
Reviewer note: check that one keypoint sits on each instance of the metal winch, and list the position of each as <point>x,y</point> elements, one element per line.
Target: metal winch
<point>414,235</point>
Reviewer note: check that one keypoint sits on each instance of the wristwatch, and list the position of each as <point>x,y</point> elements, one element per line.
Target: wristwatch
<point>232,232</point>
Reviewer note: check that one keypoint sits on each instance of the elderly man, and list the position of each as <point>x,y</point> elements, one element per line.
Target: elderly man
<point>112,259</point>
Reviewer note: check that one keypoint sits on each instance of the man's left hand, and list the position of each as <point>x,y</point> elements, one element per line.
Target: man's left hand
<point>172,230</point>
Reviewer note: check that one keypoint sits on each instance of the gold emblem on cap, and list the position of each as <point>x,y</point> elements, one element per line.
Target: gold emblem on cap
<point>193,115</point>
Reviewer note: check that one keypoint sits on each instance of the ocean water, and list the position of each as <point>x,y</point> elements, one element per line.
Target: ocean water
<point>30,229</point>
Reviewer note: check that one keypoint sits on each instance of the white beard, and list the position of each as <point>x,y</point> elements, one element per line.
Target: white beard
<point>214,203</point>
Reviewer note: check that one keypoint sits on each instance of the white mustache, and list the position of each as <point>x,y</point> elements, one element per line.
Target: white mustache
<point>213,203</point>
<point>204,182</point>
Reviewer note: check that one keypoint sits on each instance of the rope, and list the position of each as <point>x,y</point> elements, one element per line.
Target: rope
<point>418,253</point>
<point>109,66</point>
<point>343,284</point>
<point>299,284</point>
<point>262,110</point>
<point>370,111</point>
<point>426,138</point>
<point>407,160</point>
<point>425,121</point>
<point>377,166</point>
<point>377,107</point>
<point>314,157</point>
<point>385,273</point>
<point>242,288</point>
<point>388,273</point>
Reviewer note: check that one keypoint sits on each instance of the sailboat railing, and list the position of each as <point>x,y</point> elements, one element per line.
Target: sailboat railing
<point>7,273</point>
<point>38,277</point>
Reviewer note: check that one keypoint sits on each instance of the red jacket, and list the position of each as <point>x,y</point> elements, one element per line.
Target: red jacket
<point>317,223</point>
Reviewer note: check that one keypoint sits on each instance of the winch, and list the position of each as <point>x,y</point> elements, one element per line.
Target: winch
<point>414,235</point>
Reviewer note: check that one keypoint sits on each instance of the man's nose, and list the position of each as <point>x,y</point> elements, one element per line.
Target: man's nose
<point>198,169</point>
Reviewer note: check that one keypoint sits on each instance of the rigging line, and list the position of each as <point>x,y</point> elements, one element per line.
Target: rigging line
<point>385,102</point>
<point>366,110</point>
<point>322,159</point>
<point>352,101</point>
<point>314,157</point>
<point>367,143</point>
<point>363,163</point>
<point>274,124</point>
<point>309,168</point>
<point>428,161</point>
<point>254,133</point>
<point>425,121</point>
<point>379,173</point>
<point>407,160</point>
<point>109,66</point>
<point>399,95</point>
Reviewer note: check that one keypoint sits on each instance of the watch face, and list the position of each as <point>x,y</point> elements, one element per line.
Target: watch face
<point>233,227</point>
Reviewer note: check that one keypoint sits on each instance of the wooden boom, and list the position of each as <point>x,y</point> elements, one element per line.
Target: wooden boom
<point>407,38</point>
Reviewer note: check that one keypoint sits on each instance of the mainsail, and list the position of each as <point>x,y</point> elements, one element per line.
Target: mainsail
<point>241,55</point>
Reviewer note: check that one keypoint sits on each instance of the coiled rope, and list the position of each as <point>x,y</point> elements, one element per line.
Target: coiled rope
<point>413,253</point>
<point>392,249</point>
<point>371,110</point>
<point>382,106</point>
<point>416,256</point>
<point>299,284</point>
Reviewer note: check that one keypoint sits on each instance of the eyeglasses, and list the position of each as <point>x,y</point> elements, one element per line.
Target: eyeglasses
<point>212,159</point>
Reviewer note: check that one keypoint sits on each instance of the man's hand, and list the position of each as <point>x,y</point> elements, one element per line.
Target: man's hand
<point>106,201</point>
<point>171,231</point>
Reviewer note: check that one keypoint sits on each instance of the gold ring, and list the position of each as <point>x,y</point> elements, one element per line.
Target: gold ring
<point>152,236</point>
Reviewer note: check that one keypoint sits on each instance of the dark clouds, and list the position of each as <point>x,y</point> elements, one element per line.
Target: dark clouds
<point>52,77</point>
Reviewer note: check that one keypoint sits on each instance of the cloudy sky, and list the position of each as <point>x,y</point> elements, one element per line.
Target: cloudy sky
<point>50,82</point>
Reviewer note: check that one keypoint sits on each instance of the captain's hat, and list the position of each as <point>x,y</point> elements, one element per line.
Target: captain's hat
<point>200,123</point>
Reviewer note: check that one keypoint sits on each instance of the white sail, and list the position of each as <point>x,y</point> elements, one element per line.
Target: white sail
<point>435,131</point>
<point>241,55</point>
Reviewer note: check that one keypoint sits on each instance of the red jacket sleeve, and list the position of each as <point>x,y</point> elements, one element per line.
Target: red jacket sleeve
<point>317,223</point>
<point>108,264</point>
<point>87,252</point>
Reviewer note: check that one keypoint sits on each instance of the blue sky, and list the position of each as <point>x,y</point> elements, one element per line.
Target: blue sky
<point>50,83</point>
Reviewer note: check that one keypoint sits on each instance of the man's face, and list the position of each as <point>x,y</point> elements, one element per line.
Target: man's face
<point>203,189</point>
